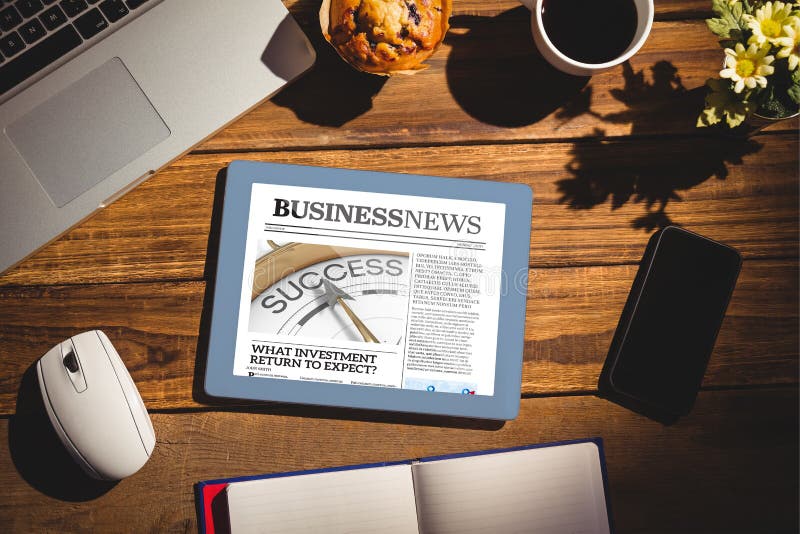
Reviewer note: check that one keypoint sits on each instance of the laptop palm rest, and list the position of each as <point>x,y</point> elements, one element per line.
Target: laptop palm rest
<point>77,138</point>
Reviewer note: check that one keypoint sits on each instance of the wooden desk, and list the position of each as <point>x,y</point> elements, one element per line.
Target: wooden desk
<point>609,160</point>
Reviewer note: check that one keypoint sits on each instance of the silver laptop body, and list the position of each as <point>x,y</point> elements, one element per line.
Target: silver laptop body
<point>126,102</point>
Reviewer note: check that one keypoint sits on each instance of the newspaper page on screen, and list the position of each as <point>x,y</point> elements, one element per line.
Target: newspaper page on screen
<point>371,289</point>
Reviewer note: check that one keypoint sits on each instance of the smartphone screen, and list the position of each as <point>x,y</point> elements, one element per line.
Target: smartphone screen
<point>673,321</point>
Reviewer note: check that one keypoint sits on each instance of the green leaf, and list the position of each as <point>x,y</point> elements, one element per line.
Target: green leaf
<point>794,89</point>
<point>721,27</point>
<point>737,11</point>
<point>720,7</point>
<point>707,117</point>
<point>729,23</point>
<point>722,104</point>
<point>794,93</point>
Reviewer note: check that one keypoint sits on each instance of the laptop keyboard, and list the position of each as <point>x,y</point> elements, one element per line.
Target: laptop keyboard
<point>37,33</point>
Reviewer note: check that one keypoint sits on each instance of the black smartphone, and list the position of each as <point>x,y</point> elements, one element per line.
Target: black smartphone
<point>670,322</point>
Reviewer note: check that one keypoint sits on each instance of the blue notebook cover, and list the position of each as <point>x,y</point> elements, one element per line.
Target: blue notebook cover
<point>213,519</point>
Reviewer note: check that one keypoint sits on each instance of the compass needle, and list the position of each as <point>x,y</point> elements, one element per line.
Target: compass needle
<point>334,294</point>
<point>326,292</point>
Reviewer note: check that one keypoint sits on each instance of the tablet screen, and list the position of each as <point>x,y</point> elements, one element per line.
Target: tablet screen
<point>371,289</point>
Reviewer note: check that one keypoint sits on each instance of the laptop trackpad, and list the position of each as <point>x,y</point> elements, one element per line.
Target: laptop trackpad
<point>87,132</point>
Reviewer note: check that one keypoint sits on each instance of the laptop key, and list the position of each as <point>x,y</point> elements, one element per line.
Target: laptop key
<point>133,4</point>
<point>90,23</point>
<point>113,9</point>
<point>73,7</point>
<point>32,31</point>
<point>38,57</point>
<point>29,8</point>
<point>48,2</point>
<point>11,43</point>
<point>9,17</point>
<point>53,17</point>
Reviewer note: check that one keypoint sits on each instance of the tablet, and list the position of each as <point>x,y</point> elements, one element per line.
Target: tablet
<point>370,290</point>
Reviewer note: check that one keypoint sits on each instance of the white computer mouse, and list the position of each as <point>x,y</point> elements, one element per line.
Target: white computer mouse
<point>95,407</point>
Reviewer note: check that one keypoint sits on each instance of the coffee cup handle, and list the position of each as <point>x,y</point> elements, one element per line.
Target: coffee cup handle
<point>527,3</point>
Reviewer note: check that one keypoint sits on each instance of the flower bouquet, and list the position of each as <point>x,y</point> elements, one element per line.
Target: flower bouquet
<point>762,51</point>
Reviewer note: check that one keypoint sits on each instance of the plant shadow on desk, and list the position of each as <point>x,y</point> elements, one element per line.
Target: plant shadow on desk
<point>39,456</point>
<point>294,410</point>
<point>497,75</point>
<point>654,172</point>
<point>332,93</point>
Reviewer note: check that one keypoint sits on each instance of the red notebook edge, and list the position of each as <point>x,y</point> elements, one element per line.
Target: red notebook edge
<point>207,494</point>
<point>212,504</point>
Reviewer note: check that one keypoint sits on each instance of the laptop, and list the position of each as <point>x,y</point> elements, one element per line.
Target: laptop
<point>98,95</point>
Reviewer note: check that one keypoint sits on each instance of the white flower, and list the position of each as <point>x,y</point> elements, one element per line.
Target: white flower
<point>747,67</point>
<point>768,22</point>
<point>790,43</point>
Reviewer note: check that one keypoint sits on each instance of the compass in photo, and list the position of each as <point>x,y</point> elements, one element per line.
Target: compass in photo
<point>330,292</point>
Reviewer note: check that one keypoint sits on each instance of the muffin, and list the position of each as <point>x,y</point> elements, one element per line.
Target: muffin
<point>385,36</point>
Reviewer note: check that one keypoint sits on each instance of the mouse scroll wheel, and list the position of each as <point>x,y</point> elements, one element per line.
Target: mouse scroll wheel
<point>71,362</point>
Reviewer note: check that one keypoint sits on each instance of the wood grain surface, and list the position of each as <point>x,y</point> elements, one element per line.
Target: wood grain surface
<point>596,202</point>
<point>488,83</point>
<point>305,10</point>
<point>736,447</point>
<point>610,160</point>
<point>572,314</point>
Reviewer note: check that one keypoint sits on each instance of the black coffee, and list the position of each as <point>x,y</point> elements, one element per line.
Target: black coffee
<point>590,31</point>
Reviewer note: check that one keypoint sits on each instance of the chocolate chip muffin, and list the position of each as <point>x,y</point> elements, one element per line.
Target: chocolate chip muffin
<point>387,36</point>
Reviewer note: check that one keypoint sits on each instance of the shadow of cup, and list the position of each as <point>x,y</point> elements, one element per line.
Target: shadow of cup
<point>332,93</point>
<point>496,74</point>
<point>38,454</point>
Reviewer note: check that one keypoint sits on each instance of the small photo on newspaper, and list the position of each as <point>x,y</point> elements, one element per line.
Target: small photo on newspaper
<point>312,290</point>
<point>371,289</point>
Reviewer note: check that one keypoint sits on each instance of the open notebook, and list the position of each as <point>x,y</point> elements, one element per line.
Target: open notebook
<point>543,488</point>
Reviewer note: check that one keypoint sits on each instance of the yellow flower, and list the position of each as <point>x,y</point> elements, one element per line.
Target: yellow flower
<point>747,67</point>
<point>790,43</point>
<point>768,22</point>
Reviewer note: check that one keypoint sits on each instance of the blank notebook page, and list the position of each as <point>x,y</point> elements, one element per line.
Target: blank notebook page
<point>546,490</point>
<point>379,499</point>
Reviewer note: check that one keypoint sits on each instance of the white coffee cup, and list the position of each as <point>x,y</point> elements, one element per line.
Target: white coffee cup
<point>644,10</point>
